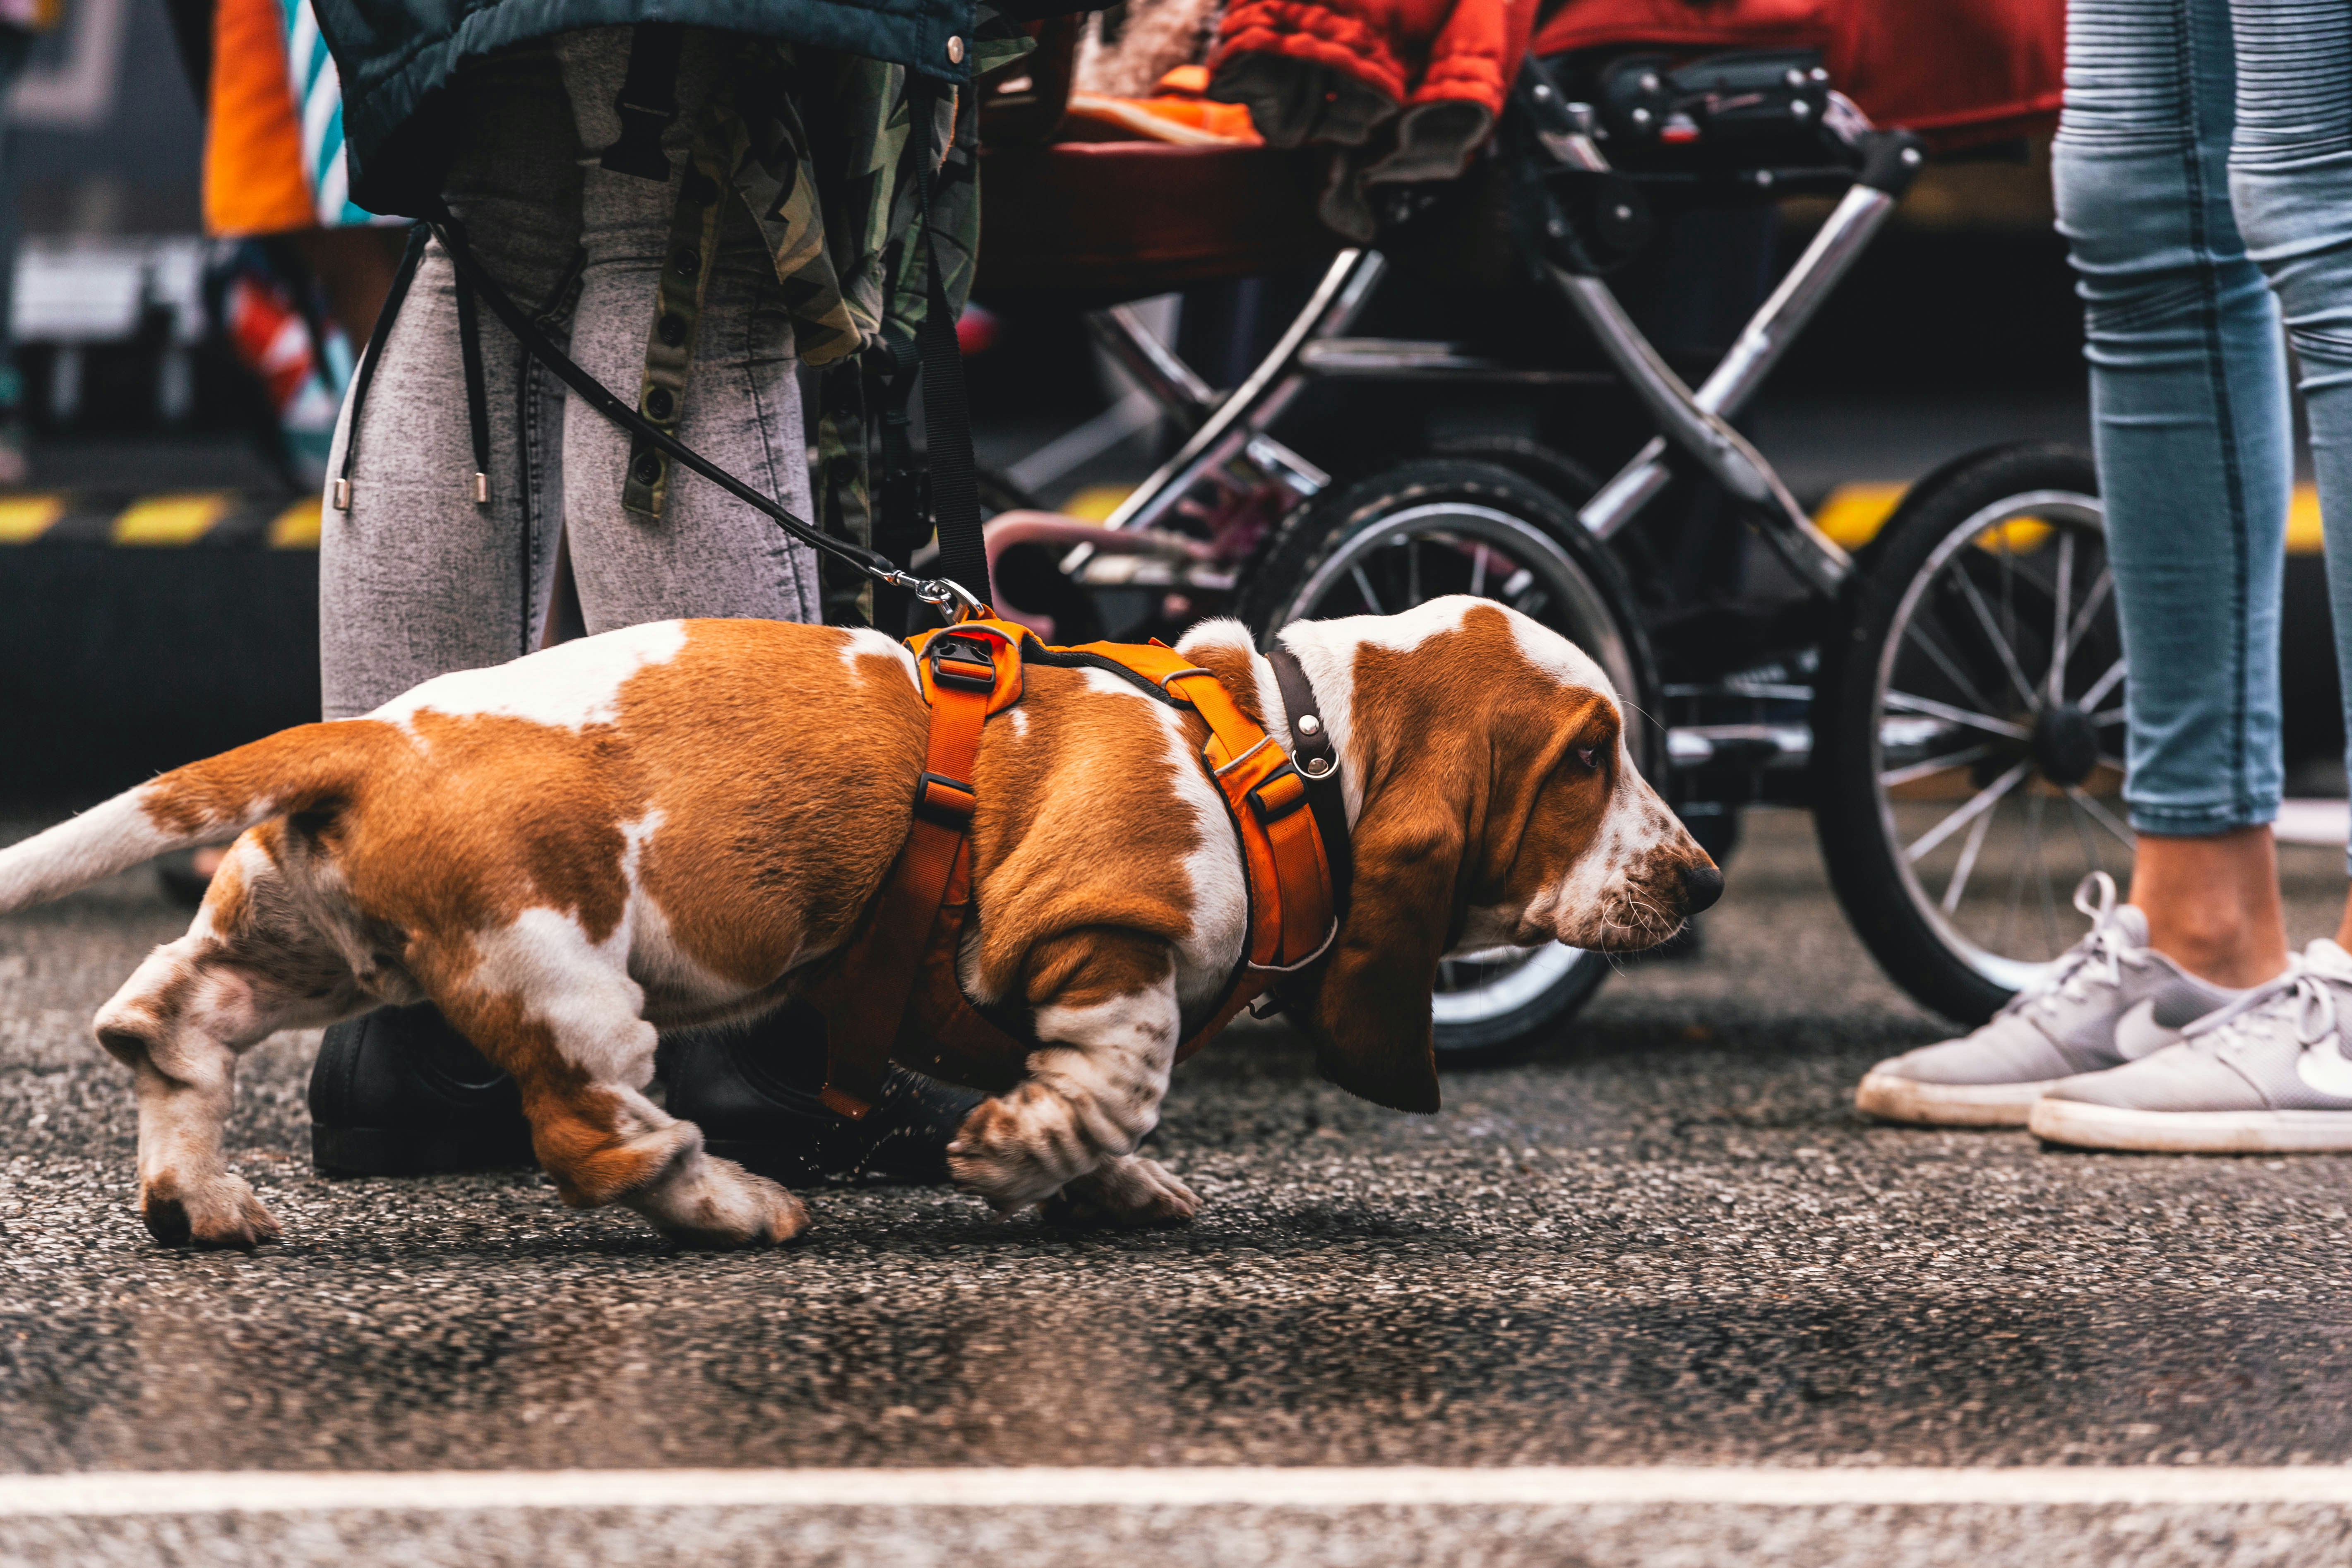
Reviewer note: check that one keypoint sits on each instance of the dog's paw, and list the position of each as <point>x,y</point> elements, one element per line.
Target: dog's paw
<point>996,1154</point>
<point>714,1205</point>
<point>210,1211</point>
<point>1133,1193</point>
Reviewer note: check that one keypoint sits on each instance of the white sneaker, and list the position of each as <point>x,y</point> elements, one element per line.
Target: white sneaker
<point>2269,1075</point>
<point>2110,999</point>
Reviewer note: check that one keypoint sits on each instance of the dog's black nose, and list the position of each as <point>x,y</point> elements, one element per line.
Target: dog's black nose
<point>1701,884</point>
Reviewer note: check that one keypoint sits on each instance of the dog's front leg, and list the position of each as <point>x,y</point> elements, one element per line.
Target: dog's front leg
<point>1106,1020</point>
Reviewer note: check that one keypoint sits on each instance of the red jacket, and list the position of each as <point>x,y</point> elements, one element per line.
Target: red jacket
<point>1339,72</point>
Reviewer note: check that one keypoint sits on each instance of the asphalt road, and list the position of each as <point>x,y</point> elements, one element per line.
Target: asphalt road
<point>1664,1239</point>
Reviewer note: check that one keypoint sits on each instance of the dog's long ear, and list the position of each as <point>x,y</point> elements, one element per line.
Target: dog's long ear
<point>1370,1014</point>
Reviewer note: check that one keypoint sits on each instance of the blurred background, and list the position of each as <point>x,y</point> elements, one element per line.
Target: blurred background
<point>157,559</point>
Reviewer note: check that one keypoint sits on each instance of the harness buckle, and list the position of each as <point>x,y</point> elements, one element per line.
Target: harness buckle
<point>966,666</point>
<point>946,801</point>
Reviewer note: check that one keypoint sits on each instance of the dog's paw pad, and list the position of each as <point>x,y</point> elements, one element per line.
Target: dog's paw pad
<point>220,1212</point>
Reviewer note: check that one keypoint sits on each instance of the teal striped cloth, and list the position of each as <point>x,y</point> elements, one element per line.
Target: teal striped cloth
<point>319,104</point>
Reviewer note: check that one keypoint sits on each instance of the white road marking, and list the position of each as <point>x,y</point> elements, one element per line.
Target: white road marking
<point>122,1493</point>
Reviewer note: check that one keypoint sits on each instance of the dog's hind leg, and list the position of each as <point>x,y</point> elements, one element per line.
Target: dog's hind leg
<point>1106,1017</point>
<point>250,965</point>
<point>559,1012</point>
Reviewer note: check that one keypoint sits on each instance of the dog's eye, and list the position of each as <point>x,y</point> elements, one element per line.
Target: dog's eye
<point>1589,756</point>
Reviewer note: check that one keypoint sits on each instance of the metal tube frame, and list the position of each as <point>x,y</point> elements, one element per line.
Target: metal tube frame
<point>1695,422</point>
<point>1777,323</point>
<point>1246,413</point>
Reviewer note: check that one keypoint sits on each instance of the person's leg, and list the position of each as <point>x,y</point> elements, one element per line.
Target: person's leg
<point>708,553</point>
<point>2272,1074</point>
<point>417,579</point>
<point>2291,178</point>
<point>753,1090</point>
<point>2190,418</point>
<point>2187,396</point>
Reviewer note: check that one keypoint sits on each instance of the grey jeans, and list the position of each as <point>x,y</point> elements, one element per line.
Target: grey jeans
<point>416,579</point>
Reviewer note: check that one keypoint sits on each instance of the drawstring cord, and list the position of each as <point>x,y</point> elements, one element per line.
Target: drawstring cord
<point>341,493</point>
<point>478,399</point>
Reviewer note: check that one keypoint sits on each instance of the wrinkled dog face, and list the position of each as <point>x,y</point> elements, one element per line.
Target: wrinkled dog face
<point>1600,862</point>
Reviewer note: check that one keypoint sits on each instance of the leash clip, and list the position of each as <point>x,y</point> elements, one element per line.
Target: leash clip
<point>945,592</point>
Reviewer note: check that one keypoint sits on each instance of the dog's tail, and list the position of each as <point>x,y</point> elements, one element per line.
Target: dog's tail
<point>302,769</point>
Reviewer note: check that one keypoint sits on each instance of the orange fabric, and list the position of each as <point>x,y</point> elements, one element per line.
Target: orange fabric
<point>896,993</point>
<point>254,182</point>
<point>1188,121</point>
<point>866,1004</point>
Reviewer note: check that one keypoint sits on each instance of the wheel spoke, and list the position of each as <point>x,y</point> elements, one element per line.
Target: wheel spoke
<point>2112,716</point>
<point>1968,847</point>
<point>1364,586</point>
<point>1478,571</point>
<point>2102,815</point>
<point>1984,800</point>
<point>1918,631</point>
<point>1910,702</point>
<point>2101,687</point>
<point>1412,572</point>
<point>1904,776</point>
<point>1992,633</point>
<point>2101,586</point>
<point>2059,642</point>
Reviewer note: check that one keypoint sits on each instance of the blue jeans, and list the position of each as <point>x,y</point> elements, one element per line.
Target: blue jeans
<point>2204,181</point>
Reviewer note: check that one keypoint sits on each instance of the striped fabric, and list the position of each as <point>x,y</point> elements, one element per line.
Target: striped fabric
<point>319,106</point>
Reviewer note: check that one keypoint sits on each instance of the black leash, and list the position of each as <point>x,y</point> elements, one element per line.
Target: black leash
<point>472,275</point>
<point>947,412</point>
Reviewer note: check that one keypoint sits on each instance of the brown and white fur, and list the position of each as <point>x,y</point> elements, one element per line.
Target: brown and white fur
<point>678,823</point>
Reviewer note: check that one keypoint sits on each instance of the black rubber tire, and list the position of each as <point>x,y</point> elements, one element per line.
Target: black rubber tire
<point>1554,469</point>
<point>1314,533</point>
<point>1861,859</point>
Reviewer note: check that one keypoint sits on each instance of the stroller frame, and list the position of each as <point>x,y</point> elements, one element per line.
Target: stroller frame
<point>1828,725</point>
<point>1237,425</point>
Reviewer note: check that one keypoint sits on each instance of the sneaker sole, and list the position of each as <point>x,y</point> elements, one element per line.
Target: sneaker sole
<point>1894,1099</point>
<point>2081,1125</point>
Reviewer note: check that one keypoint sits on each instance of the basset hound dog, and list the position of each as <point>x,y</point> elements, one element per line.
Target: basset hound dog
<point>679,823</point>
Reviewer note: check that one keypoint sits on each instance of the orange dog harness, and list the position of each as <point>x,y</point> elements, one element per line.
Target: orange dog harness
<point>896,995</point>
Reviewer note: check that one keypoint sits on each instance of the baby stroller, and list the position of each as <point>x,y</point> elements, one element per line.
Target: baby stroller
<point>1949,702</point>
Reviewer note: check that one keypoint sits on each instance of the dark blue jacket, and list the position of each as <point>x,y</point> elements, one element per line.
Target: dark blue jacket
<point>394,55</point>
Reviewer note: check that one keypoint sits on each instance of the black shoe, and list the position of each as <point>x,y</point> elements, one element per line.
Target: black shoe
<point>402,1093</point>
<point>753,1093</point>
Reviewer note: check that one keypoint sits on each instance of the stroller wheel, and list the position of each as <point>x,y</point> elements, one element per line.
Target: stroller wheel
<point>1439,526</point>
<point>1969,727</point>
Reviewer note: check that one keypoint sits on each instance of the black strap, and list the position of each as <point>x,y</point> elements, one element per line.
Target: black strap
<point>360,377</point>
<point>535,342</point>
<point>947,409</point>
<point>1318,761</point>
<point>647,103</point>
<point>477,397</point>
